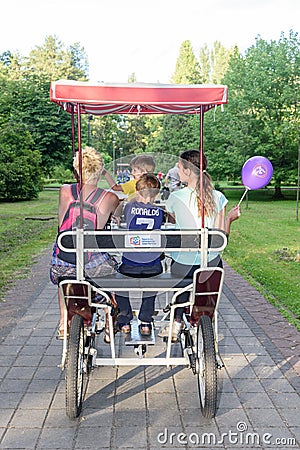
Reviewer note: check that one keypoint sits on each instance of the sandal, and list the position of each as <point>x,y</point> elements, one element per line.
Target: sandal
<point>125,328</point>
<point>106,337</point>
<point>145,329</point>
<point>61,334</point>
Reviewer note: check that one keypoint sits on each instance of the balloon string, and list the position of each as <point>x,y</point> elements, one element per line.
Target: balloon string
<point>246,190</point>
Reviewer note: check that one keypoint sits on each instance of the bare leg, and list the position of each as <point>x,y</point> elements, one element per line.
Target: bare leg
<point>61,311</point>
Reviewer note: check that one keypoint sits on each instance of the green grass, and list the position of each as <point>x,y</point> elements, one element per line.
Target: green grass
<point>263,244</point>
<point>22,239</point>
<point>264,247</point>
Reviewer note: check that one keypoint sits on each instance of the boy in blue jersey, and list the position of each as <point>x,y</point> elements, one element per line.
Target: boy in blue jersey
<point>141,214</point>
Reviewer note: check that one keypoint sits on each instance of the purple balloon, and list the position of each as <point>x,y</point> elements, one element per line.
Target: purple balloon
<point>257,172</point>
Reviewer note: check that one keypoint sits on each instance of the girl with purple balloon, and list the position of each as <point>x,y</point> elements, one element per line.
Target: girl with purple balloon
<point>184,208</point>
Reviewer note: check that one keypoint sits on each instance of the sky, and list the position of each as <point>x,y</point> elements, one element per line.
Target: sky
<point>122,37</point>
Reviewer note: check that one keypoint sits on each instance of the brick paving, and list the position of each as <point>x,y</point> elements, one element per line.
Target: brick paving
<point>149,407</point>
<point>283,335</point>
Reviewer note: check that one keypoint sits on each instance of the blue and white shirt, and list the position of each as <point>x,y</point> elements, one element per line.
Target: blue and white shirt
<point>142,216</point>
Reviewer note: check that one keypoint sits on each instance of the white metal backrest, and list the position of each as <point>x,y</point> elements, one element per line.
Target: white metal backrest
<point>85,241</point>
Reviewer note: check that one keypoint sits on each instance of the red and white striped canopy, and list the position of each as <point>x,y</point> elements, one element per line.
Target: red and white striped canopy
<point>136,98</point>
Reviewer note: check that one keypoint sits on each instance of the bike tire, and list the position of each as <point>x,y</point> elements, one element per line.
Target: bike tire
<point>207,367</point>
<point>75,368</point>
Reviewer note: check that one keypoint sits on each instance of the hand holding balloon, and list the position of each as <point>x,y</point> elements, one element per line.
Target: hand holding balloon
<point>233,215</point>
<point>256,174</point>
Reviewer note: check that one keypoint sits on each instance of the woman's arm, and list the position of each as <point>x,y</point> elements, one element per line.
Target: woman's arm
<point>65,198</point>
<point>107,206</point>
<point>223,221</point>
<point>233,215</point>
<point>219,221</point>
<point>113,185</point>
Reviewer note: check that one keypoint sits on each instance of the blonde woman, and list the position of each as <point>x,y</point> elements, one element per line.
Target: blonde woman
<point>103,205</point>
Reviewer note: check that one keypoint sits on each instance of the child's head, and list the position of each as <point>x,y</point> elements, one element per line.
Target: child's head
<point>92,165</point>
<point>141,164</point>
<point>147,187</point>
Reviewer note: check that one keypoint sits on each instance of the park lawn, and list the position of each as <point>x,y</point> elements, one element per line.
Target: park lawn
<point>22,239</point>
<point>262,247</point>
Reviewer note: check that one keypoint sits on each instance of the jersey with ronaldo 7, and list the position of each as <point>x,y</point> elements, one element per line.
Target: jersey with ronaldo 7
<point>142,216</point>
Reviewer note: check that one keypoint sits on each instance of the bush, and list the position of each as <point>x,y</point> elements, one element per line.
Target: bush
<point>62,175</point>
<point>20,166</point>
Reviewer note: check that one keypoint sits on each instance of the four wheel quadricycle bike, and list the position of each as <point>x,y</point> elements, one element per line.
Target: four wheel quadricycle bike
<point>90,308</point>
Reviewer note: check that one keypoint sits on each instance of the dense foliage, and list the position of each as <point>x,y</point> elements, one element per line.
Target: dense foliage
<point>33,135</point>
<point>262,115</point>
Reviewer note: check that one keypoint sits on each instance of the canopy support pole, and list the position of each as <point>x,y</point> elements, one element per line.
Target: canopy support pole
<point>201,165</point>
<point>79,235</point>
<point>204,232</point>
<point>73,131</point>
<point>73,141</point>
<point>80,164</point>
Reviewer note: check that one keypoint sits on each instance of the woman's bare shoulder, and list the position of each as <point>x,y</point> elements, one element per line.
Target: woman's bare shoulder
<point>65,187</point>
<point>65,191</point>
<point>110,196</point>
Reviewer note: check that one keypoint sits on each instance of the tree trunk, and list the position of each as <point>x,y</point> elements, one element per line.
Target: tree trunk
<point>278,195</point>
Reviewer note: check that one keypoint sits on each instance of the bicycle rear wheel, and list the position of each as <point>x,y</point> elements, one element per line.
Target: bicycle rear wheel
<point>75,368</point>
<point>207,367</point>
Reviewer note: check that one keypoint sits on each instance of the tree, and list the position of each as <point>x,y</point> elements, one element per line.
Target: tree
<point>219,60</point>
<point>132,78</point>
<point>187,70</point>
<point>205,66</point>
<point>177,132</point>
<point>20,165</point>
<point>28,83</point>
<point>79,62</point>
<point>54,61</point>
<point>214,62</point>
<point>263,105</point>
<point>181,132</point>
<point>51,128</point>
<point>29,106</point>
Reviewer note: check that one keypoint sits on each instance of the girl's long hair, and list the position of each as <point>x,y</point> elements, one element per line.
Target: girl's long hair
<point>191,159</point>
